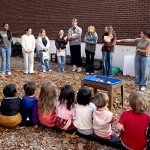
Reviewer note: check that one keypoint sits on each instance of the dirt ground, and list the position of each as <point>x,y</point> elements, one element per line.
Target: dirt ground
<point>42,138</point>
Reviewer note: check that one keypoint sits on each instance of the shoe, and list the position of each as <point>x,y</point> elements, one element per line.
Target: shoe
<point>92,73</point>
<point>87,73</point>
<point>3,73</point>
<point>9,73</point>
<point>49,70</point>
<point>63,70</point>
<point>44,70</point>
<point>79,69</point>
<point>74,68</point>
<point>142,88</point>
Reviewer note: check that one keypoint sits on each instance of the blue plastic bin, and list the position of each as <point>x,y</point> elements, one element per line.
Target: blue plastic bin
<point>103,79</point>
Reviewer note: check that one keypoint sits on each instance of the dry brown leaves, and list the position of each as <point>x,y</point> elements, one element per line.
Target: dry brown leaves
<point>28,138</point>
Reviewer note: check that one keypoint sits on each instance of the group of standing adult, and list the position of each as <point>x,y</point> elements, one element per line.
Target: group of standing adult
<point>142,57</point>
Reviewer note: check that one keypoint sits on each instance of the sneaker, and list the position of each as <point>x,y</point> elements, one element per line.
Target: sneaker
<point>79,69</point>
<point>142,88</point>
<point>87,73</point>
<point>49,70</point>
<point>63,70</point>
<point>92,73</point>
<point>44,70</point>
<point>3,73</point>
<point>74,68</point>
<point>9,73</point>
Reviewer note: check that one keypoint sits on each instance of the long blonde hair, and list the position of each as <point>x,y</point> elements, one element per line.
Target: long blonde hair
<point>47,96</point>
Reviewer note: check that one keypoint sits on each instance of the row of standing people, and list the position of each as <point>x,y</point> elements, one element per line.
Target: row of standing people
<point>142,57</point>
<point>87,115</point>
<point>43,45</point>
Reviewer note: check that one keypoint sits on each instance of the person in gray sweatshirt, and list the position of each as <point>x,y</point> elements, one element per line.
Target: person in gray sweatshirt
<point>5,48</point>
<point>74,38</point>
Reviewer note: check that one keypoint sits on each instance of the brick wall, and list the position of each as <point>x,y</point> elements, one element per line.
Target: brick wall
<point>128,17</point>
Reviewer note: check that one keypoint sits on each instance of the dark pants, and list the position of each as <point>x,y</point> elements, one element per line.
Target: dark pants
<point>109,143</point>
<point>89,61</point>
<point>75,51</point>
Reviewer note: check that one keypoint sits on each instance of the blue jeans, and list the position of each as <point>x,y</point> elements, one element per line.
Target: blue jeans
<point>142,65</point>
<point>6,54</point>
<point>107,62</point>
<point>61,62</point>
<point>45,64</point>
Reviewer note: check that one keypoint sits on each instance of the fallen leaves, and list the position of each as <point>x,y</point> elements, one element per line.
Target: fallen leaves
<point>28,138</point>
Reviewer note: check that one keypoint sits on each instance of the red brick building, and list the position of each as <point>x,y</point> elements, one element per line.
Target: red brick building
<point>128,17</point>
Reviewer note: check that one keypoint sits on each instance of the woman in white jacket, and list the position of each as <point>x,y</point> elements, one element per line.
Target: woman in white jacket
<point>43,45</point>
<point>28,47</point>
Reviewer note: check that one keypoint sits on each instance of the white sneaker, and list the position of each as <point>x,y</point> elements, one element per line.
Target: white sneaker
<point>63,70</point>
<point>3,73</point>
<point>50,70</point>
<point>44,70</point>
<point>9,73</point>
<point>79,69</point>
<point>87,73</point>
<point>74,68</point>
<point>142,88</point>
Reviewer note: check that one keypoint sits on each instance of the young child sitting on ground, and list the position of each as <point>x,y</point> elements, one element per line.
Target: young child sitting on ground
<point>10,107</point>
<point>133,123</point>
<point>46,108</point>
<point>29,105</point>
<point>84,112</point>
<point>65,109</point>
<point>102,117</point>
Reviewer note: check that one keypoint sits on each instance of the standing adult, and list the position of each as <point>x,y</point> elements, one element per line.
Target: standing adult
<point>5,46</point>
<point>43,45</point>
<point>28,47</point>
<point>90,48</point>
<point>108,41</point>
<point>74,38</point>
<point>60,44</point>
<point>142,58</point>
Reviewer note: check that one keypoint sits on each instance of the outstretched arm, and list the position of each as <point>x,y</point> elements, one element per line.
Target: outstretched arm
<point>126,40</point>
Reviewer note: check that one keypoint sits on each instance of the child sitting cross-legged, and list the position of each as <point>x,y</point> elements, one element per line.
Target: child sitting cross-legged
<point>46,107</point>
<point>10,107</point>
<point>29,105</point>
<point>65,109</point>
<point>102,117</point>
<point>84,112</point>
<point>133,123</point>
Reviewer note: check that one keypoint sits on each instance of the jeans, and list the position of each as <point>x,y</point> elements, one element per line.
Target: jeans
<point>45,64</point>
<point>6,54</point>
<point>142,65</point>
<point>28,62</point>
<point>89,61</point>
<point>107,62</point>
<point>61,62</point>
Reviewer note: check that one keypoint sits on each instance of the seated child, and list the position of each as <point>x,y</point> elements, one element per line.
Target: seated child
<point>65,109</point>
<point>29,105</point>
<point>133,123</point>
<point>46,108</point>
<point>84,112</point>
<point>102,117</point>
<point>10,107</point>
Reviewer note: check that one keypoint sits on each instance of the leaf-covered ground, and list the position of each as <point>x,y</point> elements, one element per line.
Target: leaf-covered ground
<point>42,138</point>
